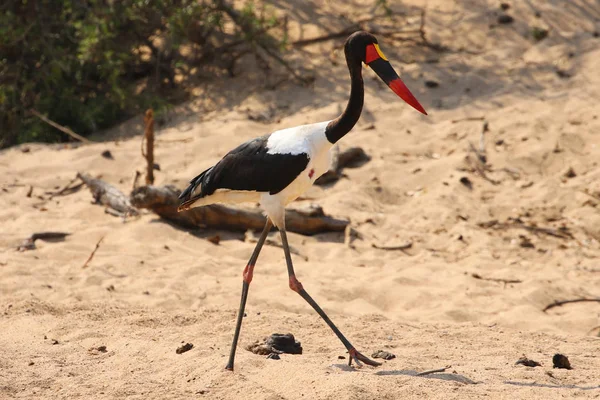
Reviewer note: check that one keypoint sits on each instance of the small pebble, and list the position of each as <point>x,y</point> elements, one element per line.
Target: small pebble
<point>539,33</point>
<point>505,19</point>
<point>467,182</point>
<point>184,348</point>
<point>570,173</point>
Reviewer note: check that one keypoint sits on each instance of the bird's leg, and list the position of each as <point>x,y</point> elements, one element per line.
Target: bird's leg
<point>296,286</point>
<point>248,272</point>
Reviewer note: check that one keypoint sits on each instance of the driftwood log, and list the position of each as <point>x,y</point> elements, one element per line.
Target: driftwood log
<point>352,157</point>
<point>108,195</point>
<point>163,201</point>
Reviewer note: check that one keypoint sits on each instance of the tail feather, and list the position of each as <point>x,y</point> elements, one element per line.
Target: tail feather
<point>193,192</point>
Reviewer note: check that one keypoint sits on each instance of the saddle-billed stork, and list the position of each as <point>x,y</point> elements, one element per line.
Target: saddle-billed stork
<point>276,169</point>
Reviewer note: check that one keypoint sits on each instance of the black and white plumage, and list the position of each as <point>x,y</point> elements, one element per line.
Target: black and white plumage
<point>276,169</point>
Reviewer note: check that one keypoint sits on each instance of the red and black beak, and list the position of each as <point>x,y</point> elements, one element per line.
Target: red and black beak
<point>377,61</point>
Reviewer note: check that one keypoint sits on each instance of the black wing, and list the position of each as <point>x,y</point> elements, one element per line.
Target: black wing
<point>248,167</point>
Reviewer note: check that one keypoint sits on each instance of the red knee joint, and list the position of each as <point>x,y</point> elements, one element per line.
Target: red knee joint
<point>295,284</point>
<point>248,272</point>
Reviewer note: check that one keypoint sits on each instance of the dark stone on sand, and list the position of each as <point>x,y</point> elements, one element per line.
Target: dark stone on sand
<point>467,182</point>
<point>505,19</point>
<point>184,348</point>
<point>276,343</point>
<point>561,361</point>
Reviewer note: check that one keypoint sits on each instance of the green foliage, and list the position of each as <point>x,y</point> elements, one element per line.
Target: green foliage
<point>82,62</point>
<point>385,6</point>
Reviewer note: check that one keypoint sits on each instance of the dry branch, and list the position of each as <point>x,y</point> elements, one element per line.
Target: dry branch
<point>433,371</point>
<point>60,127</point>
<point>561,233</point>
<point>454,121</point>
<point>481,158</point>
<point>357,25</point>
<point>350,158</point>
<point>164,200</point>
<point>392,34</point>
<point>108,195</point>
<point>67,189</point>
<point>149,138</point>
<point>505,281</point>
<point>404,246</point>
<point>93,252</point>
<point>558,303</point>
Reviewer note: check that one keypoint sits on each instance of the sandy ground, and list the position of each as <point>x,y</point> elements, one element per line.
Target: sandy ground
<point>445,301</point>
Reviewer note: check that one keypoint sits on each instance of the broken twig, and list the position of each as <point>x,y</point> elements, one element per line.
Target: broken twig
<point>67,189</point>
<point>454,121</point>
<point>60,127</point>
<point>149,137</point>
<point>558,303</point>
<point>434,371</point>
<point>505,281</point>
<point>393,34</point>
<point>352,157</point>
<point>93,252</point>
<point>404,246</point>
<point>482,151</point>
<point>561,233</point>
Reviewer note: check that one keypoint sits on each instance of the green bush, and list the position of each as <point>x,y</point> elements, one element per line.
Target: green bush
<point>80,62</point>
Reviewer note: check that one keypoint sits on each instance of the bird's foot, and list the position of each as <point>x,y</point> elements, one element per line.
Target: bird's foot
<point>358,357</point>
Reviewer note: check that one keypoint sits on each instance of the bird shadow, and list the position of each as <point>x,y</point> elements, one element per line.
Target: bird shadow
<point>409,372</point>
<point>543,385</point>
<point>201,233</point>
<point>442,376</point>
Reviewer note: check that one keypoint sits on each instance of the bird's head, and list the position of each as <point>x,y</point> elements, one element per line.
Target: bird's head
<point>363,46</point>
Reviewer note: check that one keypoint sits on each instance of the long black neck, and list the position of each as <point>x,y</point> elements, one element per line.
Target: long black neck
<point>337,128</point>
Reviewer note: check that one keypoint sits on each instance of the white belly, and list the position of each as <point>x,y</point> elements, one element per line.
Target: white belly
<point>274,204</point>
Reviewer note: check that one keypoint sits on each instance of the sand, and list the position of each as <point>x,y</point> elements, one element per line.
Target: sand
<point>468,294</point>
